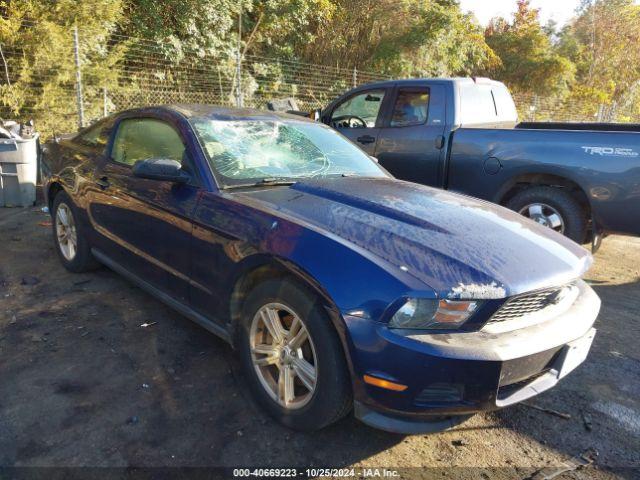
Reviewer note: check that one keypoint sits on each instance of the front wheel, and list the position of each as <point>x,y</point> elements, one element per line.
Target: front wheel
<point>292,356</point>
<point>554,208</point>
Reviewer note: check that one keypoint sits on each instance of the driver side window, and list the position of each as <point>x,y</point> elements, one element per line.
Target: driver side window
<point>358,111</point>
<point>144,138</point>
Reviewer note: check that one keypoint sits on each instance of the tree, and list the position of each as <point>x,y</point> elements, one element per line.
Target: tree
<point>602,42</point>
<point>282,28</point>
<point>439,41</point>
<point>183,27</point>
<point>408,37</point>
<point>36,37</point>
<point>529,61</point>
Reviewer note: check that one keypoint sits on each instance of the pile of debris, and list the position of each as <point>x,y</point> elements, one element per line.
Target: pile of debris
<point>19,131</point>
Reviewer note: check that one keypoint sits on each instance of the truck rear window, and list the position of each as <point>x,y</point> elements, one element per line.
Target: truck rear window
<point>488,103</point>
<point>504,103</point>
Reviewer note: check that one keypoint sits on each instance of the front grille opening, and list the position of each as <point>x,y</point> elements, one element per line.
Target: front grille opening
<point>530,303</point>
<point>526,369</point>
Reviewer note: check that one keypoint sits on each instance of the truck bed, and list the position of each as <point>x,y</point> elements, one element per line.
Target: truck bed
<point>603,164</point>
<point>598,127</point>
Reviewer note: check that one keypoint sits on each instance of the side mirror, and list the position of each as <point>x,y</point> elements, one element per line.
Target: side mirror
<point>161,169</point>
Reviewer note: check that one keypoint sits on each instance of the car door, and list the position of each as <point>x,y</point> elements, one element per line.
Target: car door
<point>146,224</point>
<point>411,141</point>
<point>87,151</point>
<point>358,116</point>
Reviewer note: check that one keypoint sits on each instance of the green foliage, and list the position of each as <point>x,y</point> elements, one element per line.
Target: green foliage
<point>603,44</point>
<point>36,37</point>
<point>149,51</point>
<point>281,28</point>
<point>438,41</point>
<point>181,27</point>
<point>529,60</point>
<point>399,38</point>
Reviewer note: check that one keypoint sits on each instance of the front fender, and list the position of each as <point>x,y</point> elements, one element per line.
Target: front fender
<point>230,236</point>
<point>349,278</point>
<point>352,288</point>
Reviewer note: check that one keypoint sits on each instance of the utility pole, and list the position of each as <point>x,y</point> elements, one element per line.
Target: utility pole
<point>239,62</point>
<point>6,67</point>
<point>76,54</point>
<point>105,106</point>
<point>593,38</point>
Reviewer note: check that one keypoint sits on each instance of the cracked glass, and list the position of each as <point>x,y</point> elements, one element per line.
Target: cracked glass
<point>250,151</point>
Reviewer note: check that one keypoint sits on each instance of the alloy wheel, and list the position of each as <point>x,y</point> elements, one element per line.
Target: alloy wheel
<point>544,215</point>
<point>66,232</point>
<point>283,355</point>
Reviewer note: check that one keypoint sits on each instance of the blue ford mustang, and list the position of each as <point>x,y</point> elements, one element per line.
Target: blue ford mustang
<point>339,286</point>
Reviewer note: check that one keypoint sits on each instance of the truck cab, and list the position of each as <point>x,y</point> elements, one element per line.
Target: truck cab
<point>406,123</point>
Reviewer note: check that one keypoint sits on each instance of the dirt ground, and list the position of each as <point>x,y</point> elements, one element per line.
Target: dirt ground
<point>83,383</point>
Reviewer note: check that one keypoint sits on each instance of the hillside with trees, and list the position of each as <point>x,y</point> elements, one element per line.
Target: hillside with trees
<point>137,48</point>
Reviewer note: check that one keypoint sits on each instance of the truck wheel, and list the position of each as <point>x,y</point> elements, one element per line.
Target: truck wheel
<point>552,207</point>
<point>292,357</point>
<point>71,243</point>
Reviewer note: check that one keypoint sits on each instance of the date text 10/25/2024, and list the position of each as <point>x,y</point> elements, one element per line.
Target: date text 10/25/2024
<point>315,473</point>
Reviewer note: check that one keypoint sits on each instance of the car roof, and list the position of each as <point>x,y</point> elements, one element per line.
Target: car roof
<point>216,112</point>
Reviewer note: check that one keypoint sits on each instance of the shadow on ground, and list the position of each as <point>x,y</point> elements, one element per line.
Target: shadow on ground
<point>602,396</point>
<point>84,384</point>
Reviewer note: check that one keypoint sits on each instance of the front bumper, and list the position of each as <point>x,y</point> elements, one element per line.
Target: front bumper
<point>464,373</point>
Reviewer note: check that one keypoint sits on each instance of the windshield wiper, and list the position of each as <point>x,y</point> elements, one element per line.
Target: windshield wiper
<point>276,181</point>
<point>265,182</point>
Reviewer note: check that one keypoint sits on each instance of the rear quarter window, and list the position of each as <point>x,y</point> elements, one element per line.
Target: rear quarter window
<point>95,137</point>
<point>476,104</point>
<point>504,104</point>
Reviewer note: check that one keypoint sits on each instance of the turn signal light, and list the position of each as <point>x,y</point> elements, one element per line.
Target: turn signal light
<point>386,384</point>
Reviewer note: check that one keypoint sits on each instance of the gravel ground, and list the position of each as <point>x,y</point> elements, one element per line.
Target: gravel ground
<point>84,384</point>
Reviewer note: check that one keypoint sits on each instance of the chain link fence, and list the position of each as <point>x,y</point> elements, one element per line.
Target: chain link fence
<point>81,78</point>
<point>534,108</point>
<point>77,78</point>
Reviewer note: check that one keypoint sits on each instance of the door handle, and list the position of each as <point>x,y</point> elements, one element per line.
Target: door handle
<point>364,139</point>
<point>103,183</point>
<point>440,142</point>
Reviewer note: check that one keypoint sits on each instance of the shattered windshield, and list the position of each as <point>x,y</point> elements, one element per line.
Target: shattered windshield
<point>249,151</point>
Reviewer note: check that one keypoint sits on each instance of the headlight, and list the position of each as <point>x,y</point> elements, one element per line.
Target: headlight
<point>427,314</point>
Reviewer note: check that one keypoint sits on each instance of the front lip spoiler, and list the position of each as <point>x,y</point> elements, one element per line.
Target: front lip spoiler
<point>392,424</point>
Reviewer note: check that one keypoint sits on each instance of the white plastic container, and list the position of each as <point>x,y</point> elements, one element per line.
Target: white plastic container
<point>18,171</point>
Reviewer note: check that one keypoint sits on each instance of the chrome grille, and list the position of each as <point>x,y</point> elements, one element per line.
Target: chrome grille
<point>529,303</point>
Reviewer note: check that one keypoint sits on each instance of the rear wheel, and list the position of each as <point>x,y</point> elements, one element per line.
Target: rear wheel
<point>71,243</point>
<point>292,356</point>
<point>554,208</point>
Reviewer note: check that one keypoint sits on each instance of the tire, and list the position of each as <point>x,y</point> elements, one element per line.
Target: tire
<point>331,398</point>
<point>80,259</point>
<point>573,216</point>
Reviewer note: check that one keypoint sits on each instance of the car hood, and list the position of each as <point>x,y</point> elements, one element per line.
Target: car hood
<point>459,246</point>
